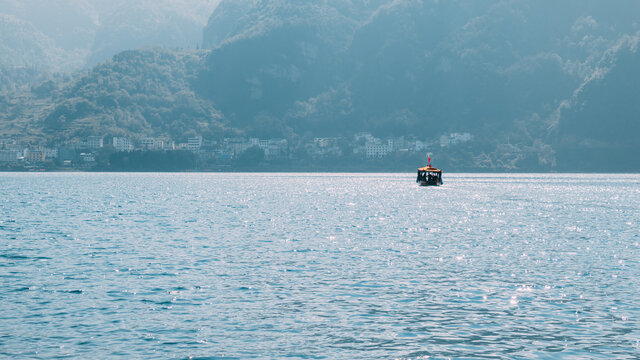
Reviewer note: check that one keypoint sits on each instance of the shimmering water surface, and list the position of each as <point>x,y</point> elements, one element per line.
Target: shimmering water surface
<point>319,266</point>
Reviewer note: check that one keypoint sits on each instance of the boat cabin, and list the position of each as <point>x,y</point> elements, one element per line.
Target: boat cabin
<point>429,176</point>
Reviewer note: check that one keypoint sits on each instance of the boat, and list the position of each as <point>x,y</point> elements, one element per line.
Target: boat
<point>429,176</point>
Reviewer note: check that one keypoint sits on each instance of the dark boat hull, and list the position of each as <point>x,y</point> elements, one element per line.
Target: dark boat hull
<point>429,183</point>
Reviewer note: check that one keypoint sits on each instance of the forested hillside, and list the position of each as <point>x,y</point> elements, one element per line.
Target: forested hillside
<point>540,86</point>
<point>138,93</point>
<point>500,70</point>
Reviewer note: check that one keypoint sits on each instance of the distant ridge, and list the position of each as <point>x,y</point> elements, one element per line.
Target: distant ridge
<point>539,86</point>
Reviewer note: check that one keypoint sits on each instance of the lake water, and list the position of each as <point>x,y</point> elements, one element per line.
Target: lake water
<point>339,266</point>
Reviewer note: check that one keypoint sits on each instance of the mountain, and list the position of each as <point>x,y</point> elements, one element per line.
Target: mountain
<point>66,35</point>
<point>23,45</point>
<point>496,69</point>
<point>245,19</point>
<point>144,92</point>
<point>539,86</point>
<point>168,23</point>
<point>599,125</point>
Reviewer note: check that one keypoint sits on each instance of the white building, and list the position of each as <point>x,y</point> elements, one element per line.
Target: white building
<point>364,135</point>
<point>234,146</point>
<point>194,143</point>
<point>420,145</point>
<point>376,150</point>
<point>94,142</point>
<point>87,158</point>
<point>454,138</point>
<point>122,144</point>
<point>49,153</point>
<point>275,149</point>
<point>148,143</point>
<point>396,144</point>
<point>9,155</point>
<point>326,142</point>
<point>34,156</point>
<point>324,147</point>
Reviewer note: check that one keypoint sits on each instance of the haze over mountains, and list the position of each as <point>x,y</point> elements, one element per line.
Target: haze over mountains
<point>542,85</point>
<point>63,35</point>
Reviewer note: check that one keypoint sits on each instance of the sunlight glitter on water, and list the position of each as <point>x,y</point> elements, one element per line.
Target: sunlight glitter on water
<point>321,265</point>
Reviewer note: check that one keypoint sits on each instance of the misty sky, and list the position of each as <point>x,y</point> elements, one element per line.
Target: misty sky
<point>79,33</point>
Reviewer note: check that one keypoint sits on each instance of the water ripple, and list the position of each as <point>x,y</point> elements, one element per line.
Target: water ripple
<point>208,266</point>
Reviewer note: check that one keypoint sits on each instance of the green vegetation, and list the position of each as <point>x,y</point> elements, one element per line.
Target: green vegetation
<point>141,93</point>
<point>138,93</point>
<point>151,161</point>
<point>533,98</point>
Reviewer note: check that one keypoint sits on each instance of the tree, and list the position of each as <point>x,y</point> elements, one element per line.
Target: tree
<point>253,156</point>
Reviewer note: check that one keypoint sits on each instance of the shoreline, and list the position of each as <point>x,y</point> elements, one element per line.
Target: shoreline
<point>298,171</point>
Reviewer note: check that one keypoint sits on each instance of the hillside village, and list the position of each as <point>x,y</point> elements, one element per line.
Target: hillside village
<point>96,152</point>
